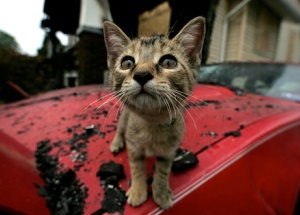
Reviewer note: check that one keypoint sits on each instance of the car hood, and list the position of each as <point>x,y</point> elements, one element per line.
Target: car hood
<point>79,127</point>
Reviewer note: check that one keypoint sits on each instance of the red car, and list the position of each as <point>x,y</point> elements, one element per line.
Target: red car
<point>240,154</point>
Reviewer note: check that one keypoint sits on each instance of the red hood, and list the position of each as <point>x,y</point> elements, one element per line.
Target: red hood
<point>211,112</point>
<point>213,115</point>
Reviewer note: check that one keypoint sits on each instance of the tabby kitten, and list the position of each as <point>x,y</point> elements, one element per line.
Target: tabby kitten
<point>152,77</point>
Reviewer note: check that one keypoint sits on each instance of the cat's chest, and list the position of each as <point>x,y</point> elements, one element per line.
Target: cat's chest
<point>154,139</point>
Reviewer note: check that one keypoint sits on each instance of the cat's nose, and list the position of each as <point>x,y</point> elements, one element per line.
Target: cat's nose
<point>142,77</point>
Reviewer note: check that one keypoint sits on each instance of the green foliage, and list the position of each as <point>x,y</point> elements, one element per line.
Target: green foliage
<point>43,50</point>
<point>8,42</point>
<point>25,71</point>
<point>33,74</point>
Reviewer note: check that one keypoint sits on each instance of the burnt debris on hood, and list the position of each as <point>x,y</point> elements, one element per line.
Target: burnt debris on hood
<point>63,192</point>
<point>183,160</point>
<point>233,133</point>
<point>114,197</point>
<point>236,133</point>
<point>111,169</point>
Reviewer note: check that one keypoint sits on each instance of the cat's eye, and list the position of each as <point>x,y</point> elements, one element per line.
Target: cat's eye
<point>127,63</point>
<point>168,62</point>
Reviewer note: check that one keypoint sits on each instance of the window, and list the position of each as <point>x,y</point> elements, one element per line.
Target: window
<point>266,32</point>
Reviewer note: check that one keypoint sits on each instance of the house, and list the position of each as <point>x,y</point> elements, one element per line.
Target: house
<point>83,20</point>
<point>259,30</point>
<point>237,30</point>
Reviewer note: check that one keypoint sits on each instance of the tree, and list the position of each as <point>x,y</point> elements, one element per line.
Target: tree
<point>8,42</point>
<point>25,71</point>
<point>43,51</point>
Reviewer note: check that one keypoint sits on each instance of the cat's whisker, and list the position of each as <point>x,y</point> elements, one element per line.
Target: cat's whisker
<point>158,99</point>
<point>190,96</point>
<point>181,115</point>
<point>188,112</point>
<point>119,111</point>
<point>108,100</point>
<point>185,103</point>
<point>171,101</point>
<point>168,108</point>
<point>196,105</point>
<point>171,28</point>
<point>187,95</point>
<point>122,100</point>
<point>101,98</point>
<point>118,100</point>
<point>175,106</point>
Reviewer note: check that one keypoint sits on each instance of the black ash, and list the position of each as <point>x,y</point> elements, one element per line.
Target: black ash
<point>111,169</point>
<point>183,160</point>
<point>114,197</point>
<point>63,192</point>
<point>88,132</point>
<point>233,133</point>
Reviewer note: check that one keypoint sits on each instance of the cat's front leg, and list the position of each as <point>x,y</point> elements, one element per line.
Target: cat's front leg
<point>138,192</point>
<point>118,143</point>
<point>119,139</point>
<point>162,193</point>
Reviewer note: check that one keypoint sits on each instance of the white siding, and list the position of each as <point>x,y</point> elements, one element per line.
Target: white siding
<point>254,33</point>
<point>289,42</point>
<point>233,42</point>
<point>261,33</point>
<point>93,12</point>
<point>215,45</point>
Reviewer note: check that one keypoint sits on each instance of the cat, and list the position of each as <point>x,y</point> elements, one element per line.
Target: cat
<point>152,76</point>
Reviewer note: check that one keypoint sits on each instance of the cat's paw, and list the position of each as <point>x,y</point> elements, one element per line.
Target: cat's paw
<point>137,196</point>
<point>162,196</point>
<point>117,145</point>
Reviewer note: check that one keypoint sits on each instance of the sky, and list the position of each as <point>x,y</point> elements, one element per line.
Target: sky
<point>21,19</point>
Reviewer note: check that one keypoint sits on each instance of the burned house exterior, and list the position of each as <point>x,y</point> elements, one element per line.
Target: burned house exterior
<point>256,30</point>
<point>83,20</point>
<point>237,30</point>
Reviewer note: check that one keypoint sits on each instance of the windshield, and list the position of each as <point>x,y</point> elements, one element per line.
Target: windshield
<point>275,80</point>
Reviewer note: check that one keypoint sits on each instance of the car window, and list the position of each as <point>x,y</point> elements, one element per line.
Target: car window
<point>276,80</point>
<point>288,85</point>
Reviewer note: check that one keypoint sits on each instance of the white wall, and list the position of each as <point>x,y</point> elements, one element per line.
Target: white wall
<point>288,48</point>
<point>93,12</point>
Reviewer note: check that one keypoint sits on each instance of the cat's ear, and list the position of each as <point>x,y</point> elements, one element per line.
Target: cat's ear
<point>191,38</point>
<point>115,41</point>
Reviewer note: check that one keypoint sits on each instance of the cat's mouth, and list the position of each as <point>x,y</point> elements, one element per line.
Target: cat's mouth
<point>144,93</point>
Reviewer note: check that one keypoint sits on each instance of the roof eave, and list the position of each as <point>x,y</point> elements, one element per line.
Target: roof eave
<point>285,8</point>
